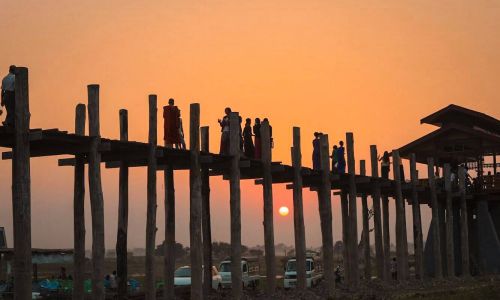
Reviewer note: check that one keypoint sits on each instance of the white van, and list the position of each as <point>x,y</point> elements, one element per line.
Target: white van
<point>249,272</point>
<point>313,273</point>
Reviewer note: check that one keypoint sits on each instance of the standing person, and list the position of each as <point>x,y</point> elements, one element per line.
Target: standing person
<point>334,159</point>
<point>241,134</point>
<point>394,269</point>
<point>341,158</point>
<point>316,157</point>
<point>386,165</point>
<point>224,124</point>
<point>171,118</point>
<point>270,132</point>
<point>401,170</point>
<point>9,96</point>
<point>182,140</point>
<point>247,139</point>
<point>258,144</point>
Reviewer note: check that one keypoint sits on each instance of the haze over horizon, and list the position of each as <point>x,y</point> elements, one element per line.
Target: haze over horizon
<point>374,68</point>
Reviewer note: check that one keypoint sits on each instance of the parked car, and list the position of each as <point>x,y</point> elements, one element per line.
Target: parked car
<point>249,272</point>
<point>313,273</point>
<point>182,278</point>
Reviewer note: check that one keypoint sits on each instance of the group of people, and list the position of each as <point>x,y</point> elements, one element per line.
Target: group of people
<point>337,156</point>
<point>250,136</point>
<point>173,130</point>
<point>9,96</point>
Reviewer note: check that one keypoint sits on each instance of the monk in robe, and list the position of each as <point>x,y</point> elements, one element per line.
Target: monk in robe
<point>171,117</point>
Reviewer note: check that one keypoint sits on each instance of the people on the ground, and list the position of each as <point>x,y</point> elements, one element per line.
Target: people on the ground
<point>112,281</point>
<point>341,158</point>
<point>394,269</point>
<point>224,124</point>
<point>247,139</point>
<point>338,274</point>
<point>171,118</point>
<point>62,274</point>
<point>258,142</point>
<point>386,165</point>
<point>182,140</point>
<point>8,96</point>
<point>316,156</point>
<point>334,159</point>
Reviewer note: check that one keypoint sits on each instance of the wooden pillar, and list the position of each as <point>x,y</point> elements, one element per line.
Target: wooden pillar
<point>494,163</point>
<point>353,219</point>
<point>464,226</point>
<point>298,211</point>
<point>122,235</point>
<point>450,249</point>
<point>150,284</point>
<point>401,240</point>
<point>436,239</point>
<point>417,221</point>
<point>344,207</point>
<point>387,237</point>
<point>169,251</point>
<point>325,213</point>
<point>377,218</point>
<point>366,227</point>
<point>235,204</point>
<point>195,203</point>
<point>96,197</point>
<point>205,216</point>
<point>21,188</point>
<point>79,212</point>
<point>268,209</point>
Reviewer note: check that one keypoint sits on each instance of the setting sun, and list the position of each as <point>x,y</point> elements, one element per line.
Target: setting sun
<point>284,211</point>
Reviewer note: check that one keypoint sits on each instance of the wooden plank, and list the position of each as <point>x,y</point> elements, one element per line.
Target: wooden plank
<point>450,249</point>
<point>79,212</point>
<point>387,237</point>
<point>268,208</point>
<point>235,205</point>
<point>21,188</point>
<point>353,219</point>
<point>464,229</point>
<point>436,239</point>
<point>401,254</point>
<point>366,227</point>
<point>298,211</point>
<point>377,217</point>
<point>417,221</point>
<point>150,282</point>
<point>122,233</point>
<point>205,214</point>
<point>325,213</point>
<point>96,197</point>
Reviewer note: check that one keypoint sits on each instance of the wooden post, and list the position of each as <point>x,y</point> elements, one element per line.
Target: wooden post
<point>21,188</point>
<point>235,205</point>
<point>417,221</point>
<point>79,211</point>
<point>366,227</point>
<point>464,229</point>
<point>298,211</point>
<point>205,216</point>
<point>169,251</point>
<point>325,213</point>
<point>121,239</point>
<point>401,241</point>
<point>436,239</point>
<point>344,207</point>
<point>353,219</point>
<point>450,249</point>
<point>96,197</point>
<point>150,284</point>
<point>377,218</point>
<point>195,204</point>
<point>494,163</point>
<point>268,209</point>
<point>387,237</point>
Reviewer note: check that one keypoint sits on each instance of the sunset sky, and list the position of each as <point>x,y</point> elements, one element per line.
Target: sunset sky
<point>374,68</point>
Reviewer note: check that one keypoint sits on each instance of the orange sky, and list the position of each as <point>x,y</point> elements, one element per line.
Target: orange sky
<point>370,67</point>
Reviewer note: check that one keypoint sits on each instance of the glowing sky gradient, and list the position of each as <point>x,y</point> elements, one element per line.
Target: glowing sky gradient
<point>370,67</point>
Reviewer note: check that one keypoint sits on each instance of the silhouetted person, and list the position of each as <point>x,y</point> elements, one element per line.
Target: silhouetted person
<point>334,158</point>
<point>341,158</point>
<point>386,165</point>
<point>182,140</point>
<point>258,143</point>
<point>394,269</point>
<point>224,124</point>
<point>171,118</point>
<point>240,119</point>
<point>270,132</point>
<point>401,170</point>
<point>9,96</point>
<point>316,157</point>
<point>247,139</point>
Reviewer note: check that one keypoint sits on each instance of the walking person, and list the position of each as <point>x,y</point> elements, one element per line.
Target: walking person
<point>171,119</point>
<point>341,158</point>
<point>9,96</point>
<point>316,157</point>
<point>247,139</point>
<point>224,124</point>
<point>258,143</point>
<point>386,165</point>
